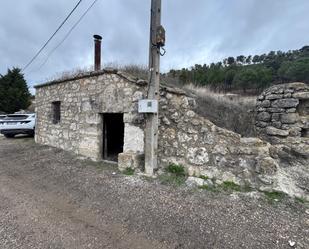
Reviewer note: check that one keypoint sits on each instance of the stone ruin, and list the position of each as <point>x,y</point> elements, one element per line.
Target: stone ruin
<point>282,113</point>
<point>283,116</point>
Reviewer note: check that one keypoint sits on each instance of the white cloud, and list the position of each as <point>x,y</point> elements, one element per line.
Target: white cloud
<point>198,31</point>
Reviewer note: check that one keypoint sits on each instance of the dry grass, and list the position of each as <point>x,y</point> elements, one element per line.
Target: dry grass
<point>226,98</point>
<point>69,74</point>
<point>231,111</point>
<point>137,70</point>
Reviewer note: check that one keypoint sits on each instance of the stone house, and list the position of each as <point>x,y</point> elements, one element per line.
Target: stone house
<point>93,114</point>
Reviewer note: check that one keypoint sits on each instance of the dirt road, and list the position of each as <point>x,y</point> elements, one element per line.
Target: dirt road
<point>50,199</point>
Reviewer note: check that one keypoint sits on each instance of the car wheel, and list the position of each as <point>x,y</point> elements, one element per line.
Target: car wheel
<point>9,135</point>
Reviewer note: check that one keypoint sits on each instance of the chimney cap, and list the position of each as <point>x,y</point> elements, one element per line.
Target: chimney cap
<point>97,37</point>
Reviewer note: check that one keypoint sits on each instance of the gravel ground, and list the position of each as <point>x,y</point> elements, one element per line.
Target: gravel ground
<point>51,199</point>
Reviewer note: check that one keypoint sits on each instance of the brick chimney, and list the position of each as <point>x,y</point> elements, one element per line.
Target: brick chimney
<point>97,52</point>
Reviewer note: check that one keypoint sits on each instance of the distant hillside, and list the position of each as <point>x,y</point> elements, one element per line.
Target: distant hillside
<point>248,72</point>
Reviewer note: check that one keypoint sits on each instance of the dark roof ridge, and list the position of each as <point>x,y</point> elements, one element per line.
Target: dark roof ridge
<point>92,74</point>
<point>127,76</point>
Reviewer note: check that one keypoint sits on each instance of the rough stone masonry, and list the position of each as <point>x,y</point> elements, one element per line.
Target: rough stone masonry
<point>208,150</point>
<point>184,137</point>
<point>282,113</point>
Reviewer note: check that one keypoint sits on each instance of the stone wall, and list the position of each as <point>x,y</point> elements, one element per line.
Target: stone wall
<point>283,120</point>
<point>282,112</point>
<point>283,116</point>
<point>205,149</point>
<point>84,99</point>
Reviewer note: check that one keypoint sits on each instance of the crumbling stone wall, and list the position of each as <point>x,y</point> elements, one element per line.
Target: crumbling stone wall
<point>283,119</point>
<point>283,113</point>
<point>205,149</point>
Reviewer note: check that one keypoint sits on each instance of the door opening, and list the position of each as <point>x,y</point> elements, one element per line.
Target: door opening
<point>113,136</point>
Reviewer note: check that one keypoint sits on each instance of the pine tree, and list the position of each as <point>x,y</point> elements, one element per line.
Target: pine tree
<point>14,92</point>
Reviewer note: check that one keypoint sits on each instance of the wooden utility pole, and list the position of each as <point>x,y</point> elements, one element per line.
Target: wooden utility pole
<point>152,120</point>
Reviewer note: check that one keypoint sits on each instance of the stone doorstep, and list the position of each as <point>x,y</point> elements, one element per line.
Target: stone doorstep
<point>133,160</point>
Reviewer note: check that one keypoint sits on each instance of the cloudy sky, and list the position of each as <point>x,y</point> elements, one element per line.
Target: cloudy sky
<point>198,31</point>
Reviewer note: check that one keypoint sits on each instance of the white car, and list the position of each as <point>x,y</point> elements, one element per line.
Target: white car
<point>14,124</point>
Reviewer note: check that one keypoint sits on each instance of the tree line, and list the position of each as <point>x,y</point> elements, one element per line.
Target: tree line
<point>14,92</point>
<point>248,72</point>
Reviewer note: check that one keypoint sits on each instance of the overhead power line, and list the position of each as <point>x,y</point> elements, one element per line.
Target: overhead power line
<point>68,33</point>
<point>37,54</point>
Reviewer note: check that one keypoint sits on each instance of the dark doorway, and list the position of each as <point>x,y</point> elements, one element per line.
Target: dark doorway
<point>113,135</point>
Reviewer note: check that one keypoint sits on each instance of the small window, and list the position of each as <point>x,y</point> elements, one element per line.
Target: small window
<point>56,112</point>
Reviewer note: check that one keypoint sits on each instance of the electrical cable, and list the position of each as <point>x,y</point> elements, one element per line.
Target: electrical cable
<point>164,51</point>
<point>67,35</point>
<point>46,43</point>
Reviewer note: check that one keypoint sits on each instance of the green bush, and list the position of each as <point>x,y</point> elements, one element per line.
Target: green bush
<point>230,186</point>
<point>128,171</point>
<point>178,170</point>
<point>175,176</point>
<point>274,196</point>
